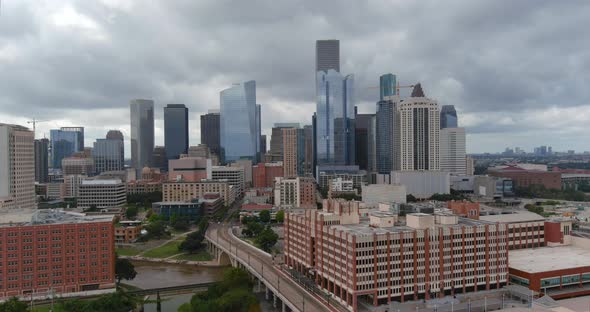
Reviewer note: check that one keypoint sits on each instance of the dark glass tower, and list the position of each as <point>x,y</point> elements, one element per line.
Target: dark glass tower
<point>361,135</point>
<point>210,131</point>
<point>327,55</point>
<point>387,86</point>
<point>108,153</point>
<point>142,133</point>
<point>448,117</point>
<point>384,137</point>
<point>175,130</point>
<point>41,160</point>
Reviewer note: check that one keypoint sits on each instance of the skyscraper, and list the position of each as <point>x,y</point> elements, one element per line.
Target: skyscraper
<point>17,168</point>
<point>258,133</point>
<point>159,158</point>
<point>239,137</point>
<point>210,131</point>
<point>387,86</point>
<point>289,152</point>
<point>262,146</point>
<point>308,150</point>
<point>385,137</point>
<point>175,130</point>
<point>142,133</point>
<point>109,153</point>
<point>64,143</point>
<point>452,151</point>
<point>361,135</point>
<point>41,160</point>
<point>327,55</point>
<point>276,140</point>
<point>419,132</point>
<point>448,117</point>
<point>335,122</point>
<point>80,131</point>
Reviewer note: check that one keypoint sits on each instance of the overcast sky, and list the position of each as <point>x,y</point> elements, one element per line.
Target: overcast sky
<point>518,72</point>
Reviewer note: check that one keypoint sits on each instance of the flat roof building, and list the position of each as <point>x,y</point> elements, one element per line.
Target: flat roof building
<point>107,193</point>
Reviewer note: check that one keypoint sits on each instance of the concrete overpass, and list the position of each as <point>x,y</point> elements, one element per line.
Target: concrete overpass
<point>284,290</point>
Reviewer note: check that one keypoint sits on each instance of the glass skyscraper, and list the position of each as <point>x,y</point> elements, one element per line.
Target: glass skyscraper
<point>142,133</point>
<point>175,130</point>
<point>109,153</point>
<point>63,144</point>
<point>387,86</point>
<point>41,160</point>
<point>210,131</point>
<point>335,123</point>
<point>239,136</point>
<point>448,117</point>
<point>385,136</point>
<point>327,55</point>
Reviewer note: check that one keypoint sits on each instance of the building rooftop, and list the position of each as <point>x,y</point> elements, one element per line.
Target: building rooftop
<point>548,259</point>
<point>521,216</point>
<point>49,216</point>
<point>101,182</point>
<point>574,175</point>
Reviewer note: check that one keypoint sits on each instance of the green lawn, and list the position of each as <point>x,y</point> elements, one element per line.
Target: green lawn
<point>202,255</point>
<point>165,251</point>
<point>127,251</point>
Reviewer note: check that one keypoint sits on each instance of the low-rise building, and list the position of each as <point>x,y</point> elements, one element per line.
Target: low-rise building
<point>189,169</point>
<point>187,191</point>
<point>143,186</point>
<point>326,174</point>
<point>296,192</point>
<point>127,231</point>
<point>211,203</point>
<point>102,193</point>
<point>264,174</point>
<point>525,229</point>
<point>465,209</point>
<point>374,194</point>
<point>422,184</point>
<point>525,178</point>
<point>233,175</point>
<point>77,166</point>
<point>191,210</point>
<point>260,195</point>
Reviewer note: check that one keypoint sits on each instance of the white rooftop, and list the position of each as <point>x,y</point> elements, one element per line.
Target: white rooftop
<point>548,259</point>
<point>101,182</point>
<point>521,216</point>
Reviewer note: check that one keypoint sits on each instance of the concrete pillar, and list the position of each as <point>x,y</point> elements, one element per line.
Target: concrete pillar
<point>267,294</point>
<point>274,300</point>
<point>283,307</point>
<point>259,286</point>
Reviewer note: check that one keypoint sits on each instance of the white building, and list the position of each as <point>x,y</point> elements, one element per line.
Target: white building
<point>17,168</point>
<point>298,192</point>
<point>423,184</point>
<point>105,193</point>
<point>374,194</point>
<point>233,175</point>
<point>419,134</point>
<point>469,165</point>
<point>245,164</point>
<point>341,185</point>
<point>452,151</point>
<point>72,184</point>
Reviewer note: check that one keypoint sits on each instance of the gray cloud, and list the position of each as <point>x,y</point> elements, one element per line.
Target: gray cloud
<point>76,61</point>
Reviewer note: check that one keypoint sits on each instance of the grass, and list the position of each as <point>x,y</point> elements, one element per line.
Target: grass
<point>164,251</point>
<point>127,251</point>
<point>202,255</point>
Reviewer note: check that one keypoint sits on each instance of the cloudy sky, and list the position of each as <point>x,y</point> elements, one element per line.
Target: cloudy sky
<point>517,71</point>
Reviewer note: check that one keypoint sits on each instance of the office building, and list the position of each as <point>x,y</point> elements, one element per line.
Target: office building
<point>327,55</point>
<point>297,192</point>
<point>109,153</point>
<point>71,185</point>
<point>422,184</point>
<point>387,86</point>
<point>80,137</point>
<point>77,165</point>
<point>232,175</point>
<point>127,231</point>
<point>308,168</point>
<point>258,133</point>
<point>210,131</point>
<point>431,256</point>
<point>387,135</point>
<point>203,151</point>
<point>335,123</point>
<point>142,133</point>
<point>246,165</point>
<point>419,132</point>
<point>175,130</point>
<point>64,143</point>
<point>17,168</point>
<point>264,174</point>
<point>102,193</point>
<point>374,194</point>
<point>526,178</point>
<point>469,165</point>
<point>41,160</point>
<point>453,151</point>
<point>290,148</point>
<point>191,210</point>
<point>143,186</point>
<point>238,122</point>
<point>159,158</point>
<point>363,136</point>
<point>55,253</point>
<point>448,117</point>
<point>325,174</point>
<point>276,141</point>
<point>187,191</point>
<point>189,169</point>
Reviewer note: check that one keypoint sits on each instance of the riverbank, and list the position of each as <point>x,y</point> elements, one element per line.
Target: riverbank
<point>210,263</point>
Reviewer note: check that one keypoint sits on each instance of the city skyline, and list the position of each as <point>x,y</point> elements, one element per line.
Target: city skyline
<point>499,91</point>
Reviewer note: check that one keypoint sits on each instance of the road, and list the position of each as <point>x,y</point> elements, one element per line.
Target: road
<point>263,264</point>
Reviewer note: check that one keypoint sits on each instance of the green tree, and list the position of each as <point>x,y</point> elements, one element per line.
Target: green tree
<point>124,269</point>
<point>280,217</point>
<point>13,305</point>
<point>264,216</point>
<point>411,198</point>
<point>253,228</point>
<point>156,229</point>
<point>131,212</point>
<point>266,239</point>
<point>193,242</point>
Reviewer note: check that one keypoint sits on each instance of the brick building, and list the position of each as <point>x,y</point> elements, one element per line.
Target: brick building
<point>127,231</point>
<point>56,250</point>
<point>464,209</point>
<point>525,178</point>
<point>187,191</point>
<point>264,174</point>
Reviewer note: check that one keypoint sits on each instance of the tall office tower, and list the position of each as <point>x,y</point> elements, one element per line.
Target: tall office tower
<point>276,140</point>
<point>80,131</point>
<point>314,129</point>
<point>372,144</point>
<point>307,150</point>
<point>175,130</point>
<point>335,122</point>
<point>237,124</point>
<point>159,158</point>
<point>210,131</point>
<point>63,144</point>
<point>41,160</point>
<point>258,133</point>
<point>387,136</point>
<point>17,168</point>
<point>361,135</point>
<point>262,146</point>
<point>290,148</point>
<point>448,117</point>
<point>109,153</point>
<point>419,132</point>
<point>142,133</point>
<point>452,151</point>
<point>387,86</point>
<point>327,55</point>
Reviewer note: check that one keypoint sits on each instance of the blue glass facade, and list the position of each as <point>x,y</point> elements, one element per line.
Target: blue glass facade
<point>258,132</point>
<point>108,154</point>
<point>239,137</point>
<point>335,123</point>
<point>175,130</point>
<point>448,117</point>
<point>387,86</point>
<point>142,133</point>
<point>63,144</point>
<point>384,136</point>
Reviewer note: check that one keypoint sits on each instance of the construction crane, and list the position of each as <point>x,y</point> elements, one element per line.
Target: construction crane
<point>397,87</point>
<point>34,122</point>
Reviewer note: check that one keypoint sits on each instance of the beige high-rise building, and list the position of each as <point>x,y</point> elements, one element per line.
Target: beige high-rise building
<point>289,152</point>
<point>452,151</point>
<point>17,168</point>
<point>419,134</point>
